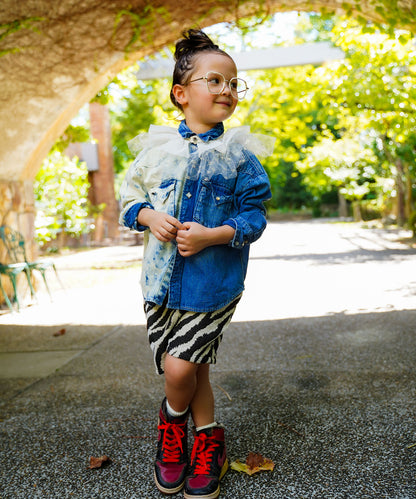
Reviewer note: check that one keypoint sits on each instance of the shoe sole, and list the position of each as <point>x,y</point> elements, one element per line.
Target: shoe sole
<point>214,494</point>
<point>166,491</point>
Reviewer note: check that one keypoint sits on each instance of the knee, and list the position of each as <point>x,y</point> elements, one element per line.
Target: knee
<point>179,373</point>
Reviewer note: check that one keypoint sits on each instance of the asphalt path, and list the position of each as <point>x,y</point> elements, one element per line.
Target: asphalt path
<point>316,372</point>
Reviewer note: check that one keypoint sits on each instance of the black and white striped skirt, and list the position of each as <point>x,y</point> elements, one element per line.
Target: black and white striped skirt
<point>191,336</point>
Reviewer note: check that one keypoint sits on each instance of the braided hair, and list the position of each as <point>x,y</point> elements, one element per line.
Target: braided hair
<point>194,42</point>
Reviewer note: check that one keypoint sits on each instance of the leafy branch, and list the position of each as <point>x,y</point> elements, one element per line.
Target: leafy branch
<point>15,26</point>
<point>147,18</point>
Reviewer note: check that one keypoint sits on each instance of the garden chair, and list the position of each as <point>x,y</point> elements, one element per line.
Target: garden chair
<point>16,249</point>
<point>12,270</point>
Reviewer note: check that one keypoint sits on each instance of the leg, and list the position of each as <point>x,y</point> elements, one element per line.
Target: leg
<point>172,454</point>
<point>180,382</point>
<point>202,404</point>
<point>209,457</point>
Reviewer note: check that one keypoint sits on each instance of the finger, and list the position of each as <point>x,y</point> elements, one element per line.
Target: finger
<point>175,223</point>
<point>184,252</point>
<point>170,229</point>
<point>182,235</point>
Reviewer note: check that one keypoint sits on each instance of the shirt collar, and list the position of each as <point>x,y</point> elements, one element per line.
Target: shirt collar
<point>212,134</point>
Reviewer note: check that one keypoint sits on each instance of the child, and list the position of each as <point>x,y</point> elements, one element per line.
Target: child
<point>198,194</point>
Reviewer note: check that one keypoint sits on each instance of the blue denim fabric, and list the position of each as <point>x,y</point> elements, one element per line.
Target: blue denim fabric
<point>215,276</point>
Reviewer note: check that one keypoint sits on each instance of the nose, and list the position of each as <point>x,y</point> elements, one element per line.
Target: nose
<point>226,90</point>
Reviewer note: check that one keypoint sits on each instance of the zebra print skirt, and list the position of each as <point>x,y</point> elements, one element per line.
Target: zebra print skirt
<point>191,336</point>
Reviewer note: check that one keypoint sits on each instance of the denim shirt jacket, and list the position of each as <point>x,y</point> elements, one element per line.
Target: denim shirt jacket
<point>212,179</point>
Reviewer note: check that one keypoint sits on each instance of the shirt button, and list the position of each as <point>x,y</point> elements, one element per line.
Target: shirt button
<point>237,243</point>
<point>189,195</point>
<point>217,198</point>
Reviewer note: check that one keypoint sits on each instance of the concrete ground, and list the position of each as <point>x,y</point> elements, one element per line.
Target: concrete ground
<point>317,372</point>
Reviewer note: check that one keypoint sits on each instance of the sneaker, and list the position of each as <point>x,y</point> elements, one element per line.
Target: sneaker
<point>208,464</point>
<point>171,463</point>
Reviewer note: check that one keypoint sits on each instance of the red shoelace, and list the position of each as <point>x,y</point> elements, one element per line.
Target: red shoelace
<point>172,441</point>
<point>202,451</point>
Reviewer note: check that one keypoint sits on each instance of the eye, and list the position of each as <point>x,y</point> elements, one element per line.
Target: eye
<point>214,80</point>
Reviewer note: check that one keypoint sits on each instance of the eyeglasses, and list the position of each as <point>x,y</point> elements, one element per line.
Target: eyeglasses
<point>216,83</point>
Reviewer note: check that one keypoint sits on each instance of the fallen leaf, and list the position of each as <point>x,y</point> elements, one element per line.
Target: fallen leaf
<point>254,464</point>
<point>98,462</point>
<point>60,332</point>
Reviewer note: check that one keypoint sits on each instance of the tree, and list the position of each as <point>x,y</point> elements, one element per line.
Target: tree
<point>377,84</point>
<point>61,198</point>
<point>135,105</point>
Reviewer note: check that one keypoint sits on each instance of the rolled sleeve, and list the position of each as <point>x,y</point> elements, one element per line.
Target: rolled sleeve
<point>253,189</point>
<point>133,198</point>
<point>130,218</point>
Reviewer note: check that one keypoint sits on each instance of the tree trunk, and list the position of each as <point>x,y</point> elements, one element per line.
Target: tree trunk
<point>342,206</point>
<point>356,209</point>
<point>401,216</point>
<point>409,193</point>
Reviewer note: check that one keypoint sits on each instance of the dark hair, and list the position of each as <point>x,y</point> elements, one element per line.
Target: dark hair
<point>194,41</point>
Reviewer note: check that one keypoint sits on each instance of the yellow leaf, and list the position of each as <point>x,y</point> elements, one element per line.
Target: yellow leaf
<point>254,464</point>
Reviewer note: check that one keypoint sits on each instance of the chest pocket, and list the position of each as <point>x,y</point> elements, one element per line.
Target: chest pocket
<point>162,197</point>
<point>214,204</point>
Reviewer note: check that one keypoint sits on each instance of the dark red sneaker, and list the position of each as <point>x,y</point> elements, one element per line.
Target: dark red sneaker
<point>171,463</point>
<point>208,464</point>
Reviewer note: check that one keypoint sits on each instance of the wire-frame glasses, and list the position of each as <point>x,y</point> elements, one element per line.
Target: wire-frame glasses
<point>216,83</point>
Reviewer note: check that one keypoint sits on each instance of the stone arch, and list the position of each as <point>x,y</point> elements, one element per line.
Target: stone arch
<point>55,56</point>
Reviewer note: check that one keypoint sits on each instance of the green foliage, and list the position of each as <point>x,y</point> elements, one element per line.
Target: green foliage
<point>136,105</point>
<point>72,134</point>
<point>347,126</point>
<point>28,23</point>
<point>61,190</point>
<point>142,23</point>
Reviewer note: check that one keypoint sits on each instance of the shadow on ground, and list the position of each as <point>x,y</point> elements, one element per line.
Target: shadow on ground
<point>331,400</point>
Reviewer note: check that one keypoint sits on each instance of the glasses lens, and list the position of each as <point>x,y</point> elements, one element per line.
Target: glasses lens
<point>215,82</point>
<point>238,88</point>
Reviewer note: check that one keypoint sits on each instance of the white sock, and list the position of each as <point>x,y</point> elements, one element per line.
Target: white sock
<point>211,425</point>
<point>173,413</point>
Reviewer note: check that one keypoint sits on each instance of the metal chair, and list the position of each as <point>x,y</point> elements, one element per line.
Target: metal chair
<point>16,249</point>
<point>12,270</point>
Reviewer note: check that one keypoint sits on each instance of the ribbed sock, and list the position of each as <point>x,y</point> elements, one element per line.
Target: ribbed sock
<point>173,413</point>
<point>207,426</point>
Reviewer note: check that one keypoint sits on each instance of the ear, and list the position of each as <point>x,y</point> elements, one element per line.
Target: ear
<point>179,92</point>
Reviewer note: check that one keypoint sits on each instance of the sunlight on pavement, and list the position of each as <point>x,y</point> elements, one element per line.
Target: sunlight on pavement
<point>301,269</point>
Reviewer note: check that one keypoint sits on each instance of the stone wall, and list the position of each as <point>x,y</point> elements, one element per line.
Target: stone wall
<point>17,209</point>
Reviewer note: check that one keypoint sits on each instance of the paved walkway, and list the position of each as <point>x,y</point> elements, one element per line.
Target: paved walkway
<point>317,372</point>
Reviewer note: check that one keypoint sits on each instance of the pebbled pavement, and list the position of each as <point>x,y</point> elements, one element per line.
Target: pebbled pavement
<point>316,372</point>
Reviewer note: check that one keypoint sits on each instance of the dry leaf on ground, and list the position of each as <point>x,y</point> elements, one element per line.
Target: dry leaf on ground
<point>98,462</point>
<point>254,463</point>
<point>61,332</point>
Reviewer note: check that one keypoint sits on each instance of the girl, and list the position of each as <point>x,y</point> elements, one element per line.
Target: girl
<point>198,194</point>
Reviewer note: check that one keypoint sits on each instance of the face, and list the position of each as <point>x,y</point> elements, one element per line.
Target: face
<point>202,109</point>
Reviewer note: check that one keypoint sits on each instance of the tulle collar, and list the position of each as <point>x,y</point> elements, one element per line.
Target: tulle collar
<point>170,140</point>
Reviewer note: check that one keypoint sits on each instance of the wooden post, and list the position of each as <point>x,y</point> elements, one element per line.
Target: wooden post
<point>102,180</point>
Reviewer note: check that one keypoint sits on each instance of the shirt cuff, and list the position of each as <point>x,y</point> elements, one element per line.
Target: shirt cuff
<point>238,241</point>
<point>130,218</point>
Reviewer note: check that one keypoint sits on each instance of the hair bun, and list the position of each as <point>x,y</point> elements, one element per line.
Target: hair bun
<point>194,40</point>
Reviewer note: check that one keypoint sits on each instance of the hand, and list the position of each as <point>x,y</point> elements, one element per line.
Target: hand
<point>193,238</point>
<point>163,226</point>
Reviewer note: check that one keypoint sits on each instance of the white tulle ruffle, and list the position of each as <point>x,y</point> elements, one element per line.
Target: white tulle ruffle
<point>229,145</point>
